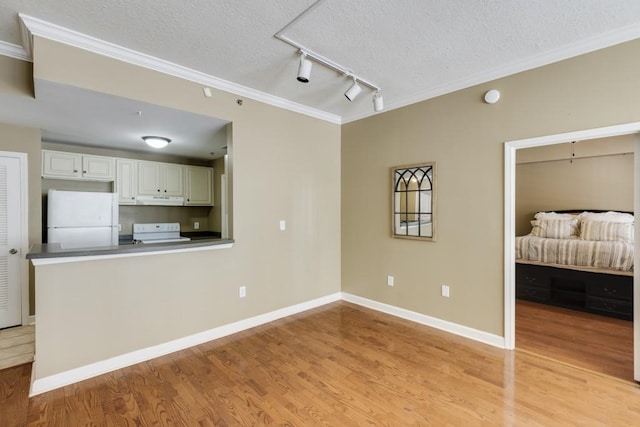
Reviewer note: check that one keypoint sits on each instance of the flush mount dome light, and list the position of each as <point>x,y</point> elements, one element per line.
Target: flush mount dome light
<point>156,141</point>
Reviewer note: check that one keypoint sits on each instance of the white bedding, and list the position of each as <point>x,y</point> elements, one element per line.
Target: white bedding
<point>614,255</point>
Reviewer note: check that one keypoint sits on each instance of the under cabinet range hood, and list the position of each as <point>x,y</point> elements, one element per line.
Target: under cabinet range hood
<point>160,200</point>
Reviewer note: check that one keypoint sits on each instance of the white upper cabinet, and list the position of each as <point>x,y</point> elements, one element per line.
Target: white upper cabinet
<point>98,167</point>
<point>199,186</point>
<point>166,179</point>
<point>63,165</point>
<point>126,181</point>
<point>133,177</point>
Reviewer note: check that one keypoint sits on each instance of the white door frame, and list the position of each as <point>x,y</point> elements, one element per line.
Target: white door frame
<point>24,232</point>
<point>510,148</point>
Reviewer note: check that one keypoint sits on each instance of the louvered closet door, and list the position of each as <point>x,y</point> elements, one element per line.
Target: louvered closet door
<point>10,251</point>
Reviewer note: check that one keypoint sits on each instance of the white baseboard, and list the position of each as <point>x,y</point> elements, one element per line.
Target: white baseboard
<point>88,371</point>
<point>62,379</point>
<point>423,319</point>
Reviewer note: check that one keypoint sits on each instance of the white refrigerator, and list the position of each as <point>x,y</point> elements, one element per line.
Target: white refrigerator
<point>80,219</point>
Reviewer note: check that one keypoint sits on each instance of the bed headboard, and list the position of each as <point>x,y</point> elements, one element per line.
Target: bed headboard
<point>579,211</point>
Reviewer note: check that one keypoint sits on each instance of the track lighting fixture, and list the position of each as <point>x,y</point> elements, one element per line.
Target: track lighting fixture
<point>378,102</point>
<point>306,56</point>
<point>304,68</point>
<point>353,91</point>
<point>156,141</point>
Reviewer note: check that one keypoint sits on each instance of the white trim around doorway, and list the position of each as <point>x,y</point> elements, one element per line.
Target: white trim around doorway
<point>510,148</point>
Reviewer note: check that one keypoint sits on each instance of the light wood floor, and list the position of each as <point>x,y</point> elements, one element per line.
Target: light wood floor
<point>339,365</point>
<point>598,343</point>
<point>16,346</point>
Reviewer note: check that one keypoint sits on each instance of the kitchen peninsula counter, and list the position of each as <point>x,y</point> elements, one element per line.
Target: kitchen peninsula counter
<point>52,253</point>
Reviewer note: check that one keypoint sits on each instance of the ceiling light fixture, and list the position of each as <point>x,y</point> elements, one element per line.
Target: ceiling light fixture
<point>304,69</point>
<point>378,101</point>
<point>306,55</point>
<point>353,91</point>
<point>156,141</point>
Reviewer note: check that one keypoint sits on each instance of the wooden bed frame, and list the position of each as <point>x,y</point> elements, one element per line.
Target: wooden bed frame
<point>600,291</point>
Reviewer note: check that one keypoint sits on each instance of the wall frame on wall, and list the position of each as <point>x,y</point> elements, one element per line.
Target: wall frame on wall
<point>413,202</point>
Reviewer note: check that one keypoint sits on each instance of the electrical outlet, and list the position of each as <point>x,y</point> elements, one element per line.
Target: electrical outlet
<point>243,291</point>
<point>283,225</point>
<point>196,225</point>
<point>445,291</point>
<point>390,281</point>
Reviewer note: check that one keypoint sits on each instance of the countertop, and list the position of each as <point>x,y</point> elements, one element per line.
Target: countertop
<point>54,250</point>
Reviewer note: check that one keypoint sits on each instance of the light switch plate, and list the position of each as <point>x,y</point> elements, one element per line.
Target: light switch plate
<point>283,225</point>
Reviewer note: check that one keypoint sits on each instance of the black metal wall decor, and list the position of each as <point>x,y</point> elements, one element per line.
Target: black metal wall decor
<point>414,198</point>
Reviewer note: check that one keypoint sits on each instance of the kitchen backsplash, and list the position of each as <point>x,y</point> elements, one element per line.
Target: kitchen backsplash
<point>185,215</point>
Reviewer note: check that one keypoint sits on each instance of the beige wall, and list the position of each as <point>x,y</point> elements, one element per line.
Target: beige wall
<point>27,140</point>
<point>466,138</point>
<point>15,77</point>
<point>16,80</point>
<point>596,174</point>
<point>285,166</point>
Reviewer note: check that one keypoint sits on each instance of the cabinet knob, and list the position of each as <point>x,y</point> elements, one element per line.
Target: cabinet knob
<point>133,198</point>
<point>158,190</point>
<point>13,251</point>
<point>84,171</point>
<point>75,171</point>
<point>165,191</point>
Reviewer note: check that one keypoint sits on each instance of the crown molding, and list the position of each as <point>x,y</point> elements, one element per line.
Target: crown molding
<point>33,26</point>
<point>44,29</point>
<point>582,47</point>
<point>14,51</point>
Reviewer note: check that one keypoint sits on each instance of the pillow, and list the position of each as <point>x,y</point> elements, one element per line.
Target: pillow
<point>606,231</point>
<point>553,215</point>
<point>607,217</point>
<point>555,228</point>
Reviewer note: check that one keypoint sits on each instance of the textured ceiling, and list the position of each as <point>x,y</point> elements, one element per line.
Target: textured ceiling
<point>412,49</point>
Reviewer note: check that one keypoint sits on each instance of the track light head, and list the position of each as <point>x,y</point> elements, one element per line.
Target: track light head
<point>378,102</point>
<point>353,90</point>
<point>304,69</point>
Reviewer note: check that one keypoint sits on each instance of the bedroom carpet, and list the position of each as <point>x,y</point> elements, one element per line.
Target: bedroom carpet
<point>588,341</point>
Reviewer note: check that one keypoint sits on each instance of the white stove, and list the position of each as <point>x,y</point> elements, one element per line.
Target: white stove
<point>161,232</point>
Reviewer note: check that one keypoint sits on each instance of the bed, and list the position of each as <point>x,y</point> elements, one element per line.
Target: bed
<point>578,259</point>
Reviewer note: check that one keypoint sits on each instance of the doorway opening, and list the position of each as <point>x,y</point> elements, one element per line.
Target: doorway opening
<point>511,148</point>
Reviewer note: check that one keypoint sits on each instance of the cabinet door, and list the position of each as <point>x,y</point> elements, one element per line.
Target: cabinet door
<point>126,181</point>
<point>172,177</point>
<point>58,164</point>
<point>97,167</point>
<point>199,186</point>
<point>149,178</point>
